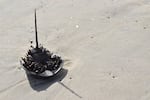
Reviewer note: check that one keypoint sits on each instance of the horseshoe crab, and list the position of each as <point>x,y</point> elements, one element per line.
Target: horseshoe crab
<point>39,61</point>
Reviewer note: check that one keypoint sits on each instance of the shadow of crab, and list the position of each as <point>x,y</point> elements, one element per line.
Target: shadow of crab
<point>38,83</point>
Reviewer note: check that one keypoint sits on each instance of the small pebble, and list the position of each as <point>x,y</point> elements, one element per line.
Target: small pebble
<point>31,41</point>
<point>77,26</point>
<point>70,78</point>
<point>144,27</point>
<point>113,76</point>
<point>136,21</point>
<point>92,37</point>
<point>108,17</point>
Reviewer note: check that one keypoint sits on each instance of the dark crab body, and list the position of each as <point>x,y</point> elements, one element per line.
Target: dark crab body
<point>41,62</point>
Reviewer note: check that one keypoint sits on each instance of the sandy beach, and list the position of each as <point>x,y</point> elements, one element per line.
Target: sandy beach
<point>105,46</point>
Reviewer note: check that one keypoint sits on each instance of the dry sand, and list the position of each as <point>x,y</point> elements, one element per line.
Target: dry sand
<point>105,45</point>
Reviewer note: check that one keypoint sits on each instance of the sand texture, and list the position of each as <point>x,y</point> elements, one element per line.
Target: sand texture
<point>105,45</point>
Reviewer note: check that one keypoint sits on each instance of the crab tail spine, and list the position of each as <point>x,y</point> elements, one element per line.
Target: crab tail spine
<point>36,35</point>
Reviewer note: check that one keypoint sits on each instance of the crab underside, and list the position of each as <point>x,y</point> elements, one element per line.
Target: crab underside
<point>39,60</point>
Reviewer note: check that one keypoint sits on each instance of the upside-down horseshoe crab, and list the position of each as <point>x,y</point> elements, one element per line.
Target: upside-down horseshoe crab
<point>39,61</point>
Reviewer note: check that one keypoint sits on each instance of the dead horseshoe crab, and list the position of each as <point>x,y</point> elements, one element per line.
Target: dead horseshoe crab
<point>39,61</point>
